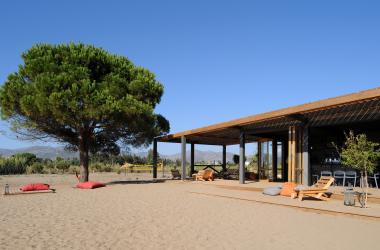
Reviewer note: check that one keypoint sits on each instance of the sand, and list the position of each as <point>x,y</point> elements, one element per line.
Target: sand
<point>168,215</point>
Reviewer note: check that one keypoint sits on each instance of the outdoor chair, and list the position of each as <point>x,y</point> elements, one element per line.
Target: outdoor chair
<point>326,173</point>
<point>314,178</point>
<point>175,174</point>
<point>339,174</point>
<point>351,175</point>
<point>374,177</point>
<point>317,191</point>
<point>204,175</point>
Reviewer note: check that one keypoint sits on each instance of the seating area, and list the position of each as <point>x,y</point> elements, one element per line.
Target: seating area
<point>345,178</point>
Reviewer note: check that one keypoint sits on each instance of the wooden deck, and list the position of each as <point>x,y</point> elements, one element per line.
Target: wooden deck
<point>252,192</point>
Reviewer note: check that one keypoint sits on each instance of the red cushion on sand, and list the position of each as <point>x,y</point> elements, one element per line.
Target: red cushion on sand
<point>35,187</point>
<point>90,185</point>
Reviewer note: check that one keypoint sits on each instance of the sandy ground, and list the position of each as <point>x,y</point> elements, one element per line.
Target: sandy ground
<point>170,215</point>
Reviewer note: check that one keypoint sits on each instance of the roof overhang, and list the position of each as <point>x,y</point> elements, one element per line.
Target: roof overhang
<point>356,107</point>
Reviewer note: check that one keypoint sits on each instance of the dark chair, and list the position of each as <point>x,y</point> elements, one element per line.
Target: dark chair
<point>351,175</point>
<point>339,175</point>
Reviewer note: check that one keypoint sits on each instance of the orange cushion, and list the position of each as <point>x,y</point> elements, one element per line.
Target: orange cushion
<point>35,187</point>
<point>288,188</point>
<point>90,185</point>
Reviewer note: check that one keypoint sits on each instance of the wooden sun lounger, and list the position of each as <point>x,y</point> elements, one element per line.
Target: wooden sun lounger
<point>318,191</point>
<point>204,175</point>
<point>175,174</point>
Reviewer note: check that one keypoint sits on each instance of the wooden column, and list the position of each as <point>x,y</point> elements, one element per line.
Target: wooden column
<point>183,157</point>
<point>224,160</point>
<point>291,154</point>
<point>191,159</point>
<point>242,158</point>
<point>305,157</point>
<point>155,156</point>
<point>274,160</point>
<point>295,165</point>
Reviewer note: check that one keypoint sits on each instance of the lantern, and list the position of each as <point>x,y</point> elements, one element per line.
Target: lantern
<point>6,189</point>
<point>349,197</point>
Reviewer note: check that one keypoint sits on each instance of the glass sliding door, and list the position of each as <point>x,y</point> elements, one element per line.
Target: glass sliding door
<point>280,161</point>
<point>271,160</point>
<point>266,160</point>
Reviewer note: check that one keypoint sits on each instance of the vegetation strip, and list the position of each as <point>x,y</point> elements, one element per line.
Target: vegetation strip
<point>306,209</point>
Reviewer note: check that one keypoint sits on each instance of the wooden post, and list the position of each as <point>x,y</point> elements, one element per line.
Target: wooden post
<point>291,154</point>
<point>305,157</point>
<point>224,160</point>
<point>191,160</point>
<point>183,154</point>
<point>155,156</point>
<point>242,158</point>
<point>295,162</point>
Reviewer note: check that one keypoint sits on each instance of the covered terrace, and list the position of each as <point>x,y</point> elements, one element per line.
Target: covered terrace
<point>292,133</point>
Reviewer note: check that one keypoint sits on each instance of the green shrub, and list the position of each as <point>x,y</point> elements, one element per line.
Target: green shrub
<point>107,168</point>
<point>35,168</point>
<point>96,167</point>
<point>49,167</point>
<point>13,165</point>
<point>62,165</point>
<point>74,169</point>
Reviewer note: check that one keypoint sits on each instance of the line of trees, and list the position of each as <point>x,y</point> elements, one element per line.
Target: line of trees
<point>28,163</point>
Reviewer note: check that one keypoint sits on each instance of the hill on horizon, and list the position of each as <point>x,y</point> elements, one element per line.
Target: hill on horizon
<point>54,152</point>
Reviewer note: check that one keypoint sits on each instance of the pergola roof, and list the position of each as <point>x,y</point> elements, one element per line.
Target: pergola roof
<point>356,107</point>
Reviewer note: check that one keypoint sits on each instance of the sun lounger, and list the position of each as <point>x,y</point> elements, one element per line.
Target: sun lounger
<point>175,174</point>
<point>318,191</point>
<point>204,175</point>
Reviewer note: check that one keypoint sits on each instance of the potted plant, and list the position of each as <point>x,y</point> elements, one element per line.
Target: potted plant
<point>361,154</point>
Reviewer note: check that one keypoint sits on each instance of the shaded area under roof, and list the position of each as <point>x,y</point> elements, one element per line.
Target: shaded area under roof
<point>357,107</point>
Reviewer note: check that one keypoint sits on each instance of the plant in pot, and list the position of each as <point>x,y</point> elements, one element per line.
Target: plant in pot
<point>361,154</point>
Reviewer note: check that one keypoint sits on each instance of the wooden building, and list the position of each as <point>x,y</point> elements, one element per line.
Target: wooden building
<point>295,141</point>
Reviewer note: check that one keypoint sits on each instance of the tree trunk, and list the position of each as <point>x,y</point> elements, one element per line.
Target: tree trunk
<point>84,160</point>
<point>366,188</point>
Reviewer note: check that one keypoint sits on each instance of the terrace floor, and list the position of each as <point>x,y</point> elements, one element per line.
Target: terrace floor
<point>252,191</point>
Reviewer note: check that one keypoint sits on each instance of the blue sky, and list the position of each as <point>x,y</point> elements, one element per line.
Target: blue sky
<point>218,60</point>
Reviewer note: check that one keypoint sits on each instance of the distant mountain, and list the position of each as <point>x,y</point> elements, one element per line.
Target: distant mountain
<point>41,152</point>
<point>54,152</point>
<point>201,156</point>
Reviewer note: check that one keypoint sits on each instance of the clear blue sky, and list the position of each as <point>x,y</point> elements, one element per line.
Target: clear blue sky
<point>218,60</point>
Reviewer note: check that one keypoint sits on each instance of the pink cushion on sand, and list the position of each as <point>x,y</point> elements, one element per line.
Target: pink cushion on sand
<point>35,187</point>
<point>90,185</point>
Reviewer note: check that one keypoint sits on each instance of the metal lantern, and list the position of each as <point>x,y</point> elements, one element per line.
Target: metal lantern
<point>349,197</point>
<point>6,189</point>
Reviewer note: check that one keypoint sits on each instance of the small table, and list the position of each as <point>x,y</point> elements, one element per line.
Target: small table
<point>211,166</point>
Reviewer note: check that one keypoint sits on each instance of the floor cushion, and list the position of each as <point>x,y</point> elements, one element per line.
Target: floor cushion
<point>90,185</point>
<point>35,187</point>
<point>288,188</point>
<point>300,187</point>
<point>272,191</point>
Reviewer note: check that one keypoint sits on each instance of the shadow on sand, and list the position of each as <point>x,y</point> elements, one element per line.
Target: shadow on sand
<point>135,182</point>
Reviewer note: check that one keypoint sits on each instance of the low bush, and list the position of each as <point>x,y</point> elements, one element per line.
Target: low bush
<point>35,168</point>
